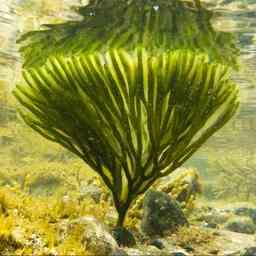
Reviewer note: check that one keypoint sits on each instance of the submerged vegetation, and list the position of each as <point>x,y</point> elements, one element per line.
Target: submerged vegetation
<point>134,98</point>
<point>33,224</point>
<point>157,25</point>
<point>57,228</point>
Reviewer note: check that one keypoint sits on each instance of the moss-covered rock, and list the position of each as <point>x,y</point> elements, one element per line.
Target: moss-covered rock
<point>95,238</point>
<point>161,213</point>
<point>241,225</point>
<point>251,251</point>
<point>184,185</point>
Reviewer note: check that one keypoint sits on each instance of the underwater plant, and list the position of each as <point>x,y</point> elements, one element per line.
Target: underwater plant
<point>133,97</point>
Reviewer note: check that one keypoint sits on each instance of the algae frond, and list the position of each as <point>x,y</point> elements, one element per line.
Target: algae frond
<point>135,97</point>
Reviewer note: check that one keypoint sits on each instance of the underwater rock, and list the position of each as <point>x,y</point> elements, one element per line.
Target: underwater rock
<point>95,238</point>
<point>166,244</point>
<point>241,225</point>
<point>249,252</point>
<point>246,211</point>
<point>188,248</point>
<point>183,185</point>
<point>119,252</point>
<point>158,243</point>
<point>212,217</point>
<point>91,191</point>
<point>161,213</point>
<point>124,237</point>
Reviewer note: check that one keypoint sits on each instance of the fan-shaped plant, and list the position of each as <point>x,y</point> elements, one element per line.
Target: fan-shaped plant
<point>134,105</point>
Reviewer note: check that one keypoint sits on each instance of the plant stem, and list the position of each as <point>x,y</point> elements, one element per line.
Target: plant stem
<point>122,210</point>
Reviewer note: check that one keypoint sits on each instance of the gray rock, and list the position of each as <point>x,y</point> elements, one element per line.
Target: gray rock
<point>161,213</point>
<point>95,237</point>
<point>246,211</point>
<point>251,251</point>
<point>241,225</point>
<point>214,217</point>
<point>158,243</point>
<point>172,249</point>
<point>188,248</point>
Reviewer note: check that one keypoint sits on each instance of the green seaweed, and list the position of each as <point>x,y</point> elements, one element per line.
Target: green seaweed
<point>135,97</point>
<point>154,24</point>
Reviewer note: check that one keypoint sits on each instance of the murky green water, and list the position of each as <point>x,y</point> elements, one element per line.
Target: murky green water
<point>44,184</point>
<point>236,140</point>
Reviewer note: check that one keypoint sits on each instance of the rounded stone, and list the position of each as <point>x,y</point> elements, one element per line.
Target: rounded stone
<point>161,213</point>
<point>158,243</point>
<point>123,237</point>
<point>241,225</point>
<point>250,251</point>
